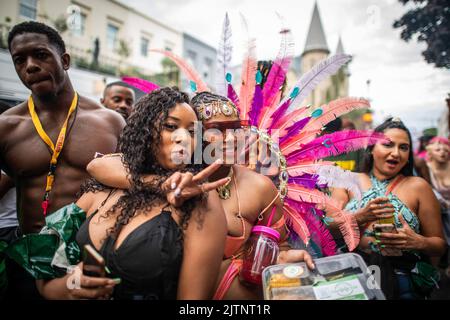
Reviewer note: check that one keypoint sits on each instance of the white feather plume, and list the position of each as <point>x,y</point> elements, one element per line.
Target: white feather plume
<point>337,177</point>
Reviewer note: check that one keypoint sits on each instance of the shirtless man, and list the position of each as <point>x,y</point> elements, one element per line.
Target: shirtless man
<point>41,62</point>
<point>118,96</point>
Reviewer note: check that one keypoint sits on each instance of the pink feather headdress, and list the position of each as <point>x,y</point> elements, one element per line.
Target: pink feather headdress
<point>298,129</point>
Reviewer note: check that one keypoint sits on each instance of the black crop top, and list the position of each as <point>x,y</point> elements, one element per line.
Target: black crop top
<point>148,261</point>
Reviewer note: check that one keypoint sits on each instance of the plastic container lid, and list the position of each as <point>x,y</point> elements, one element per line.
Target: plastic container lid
<point>267,230</point>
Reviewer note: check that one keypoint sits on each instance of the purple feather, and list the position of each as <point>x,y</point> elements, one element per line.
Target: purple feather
<point>319,233</point>
<point>232,95</point>
<point>276,115</point>
<point>334,144</point>
<point>295,128</point>
<point>257,105</point>
<point>306,180</point>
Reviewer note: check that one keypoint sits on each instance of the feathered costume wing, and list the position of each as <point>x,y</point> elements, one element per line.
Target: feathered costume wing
<point>294,132</point>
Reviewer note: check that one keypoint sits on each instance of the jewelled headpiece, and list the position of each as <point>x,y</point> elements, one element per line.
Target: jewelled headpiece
<point>210,109</point>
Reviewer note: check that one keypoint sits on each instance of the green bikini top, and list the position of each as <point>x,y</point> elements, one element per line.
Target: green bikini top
<point>379,189</point>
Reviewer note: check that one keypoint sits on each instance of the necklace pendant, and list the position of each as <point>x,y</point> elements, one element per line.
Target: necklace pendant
<point>224,193</point>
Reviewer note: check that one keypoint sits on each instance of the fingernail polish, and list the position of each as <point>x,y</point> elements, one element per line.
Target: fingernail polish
<point>117,280</point>
<point>219,161</point>
<point>377,234</point>
<point>377,241</point>
<point>173,185</point>
<point>107,270</point>
<point>383,246</point>
<point>177,192</point>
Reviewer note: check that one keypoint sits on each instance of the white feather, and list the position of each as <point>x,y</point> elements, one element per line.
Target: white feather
<point>337,177</point>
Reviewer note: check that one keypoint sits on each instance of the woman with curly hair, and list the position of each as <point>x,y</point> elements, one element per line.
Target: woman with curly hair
<point>156,250</point>
<point>244,184</point>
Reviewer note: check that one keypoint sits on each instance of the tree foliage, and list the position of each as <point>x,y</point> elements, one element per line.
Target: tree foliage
<point>430,20</point>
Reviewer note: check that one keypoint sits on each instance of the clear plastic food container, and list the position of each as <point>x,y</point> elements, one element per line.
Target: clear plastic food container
<point>340,277</point>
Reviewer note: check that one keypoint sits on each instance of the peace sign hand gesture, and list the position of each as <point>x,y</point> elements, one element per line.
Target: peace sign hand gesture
<point>182,186</point>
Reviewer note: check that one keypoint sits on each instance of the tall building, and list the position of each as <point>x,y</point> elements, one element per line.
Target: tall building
<point>106,32</point>
<point>105,38</point>
<point>316,49</point>
<point>202,57</point>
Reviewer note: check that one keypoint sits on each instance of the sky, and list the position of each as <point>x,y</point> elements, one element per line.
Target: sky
<point>402,84</point>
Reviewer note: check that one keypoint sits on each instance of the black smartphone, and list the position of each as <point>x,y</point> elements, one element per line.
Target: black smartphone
<point>93,262</point>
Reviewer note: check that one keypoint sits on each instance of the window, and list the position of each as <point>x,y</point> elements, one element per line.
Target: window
<point>192,57</point>
<point>207,69</point>
<point>144,46</point>
<point>168,45</point>
<point>111,36</point>
<point>28,9</point>
<point>79,25</point>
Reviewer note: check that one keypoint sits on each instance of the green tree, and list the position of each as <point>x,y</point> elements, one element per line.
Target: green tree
<point>430,20</point>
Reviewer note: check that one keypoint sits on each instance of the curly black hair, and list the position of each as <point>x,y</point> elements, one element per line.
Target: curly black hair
<point>390,123</point>
<point>139,143</point>
<point>36,27</point>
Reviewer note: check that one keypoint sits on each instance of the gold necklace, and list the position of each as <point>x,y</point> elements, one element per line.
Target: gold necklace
<point>224,191</point>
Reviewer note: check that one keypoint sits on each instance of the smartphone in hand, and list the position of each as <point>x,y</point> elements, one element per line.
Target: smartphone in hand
<point>93,262</point>
<point>387,228</point>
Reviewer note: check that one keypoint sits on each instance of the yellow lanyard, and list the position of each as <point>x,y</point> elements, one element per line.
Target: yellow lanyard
<point>56,150</point>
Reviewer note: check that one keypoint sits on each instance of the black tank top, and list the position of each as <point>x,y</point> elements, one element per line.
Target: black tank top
<point>148,261</point>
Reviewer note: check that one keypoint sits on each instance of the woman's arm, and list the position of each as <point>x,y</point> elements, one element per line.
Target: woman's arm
<point>75,286</point>
<point>110,171</point>
<point>286,255</point>
<point>6,183</point>
<point>204,244</point>
<point>342,197</point>
<point>430,221</point>
<point>431,238</point>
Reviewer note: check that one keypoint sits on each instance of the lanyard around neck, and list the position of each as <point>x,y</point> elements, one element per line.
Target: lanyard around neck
<point>56,150</point>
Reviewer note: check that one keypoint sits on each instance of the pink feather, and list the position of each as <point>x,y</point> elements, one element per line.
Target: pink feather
<point>334,144</point>
<point>276,115</point>
<point>288,120</point>
<point>347,224</point>
<point>294,143</point>
<point>335,109</point>
<point>306,167</point>
<point>296,223</point>
<point>319,233</point>
<point>276,77</point>
<point>248,81</point>
<point>302,194</point>
<point>189,72</point>
<point>141,84</point>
